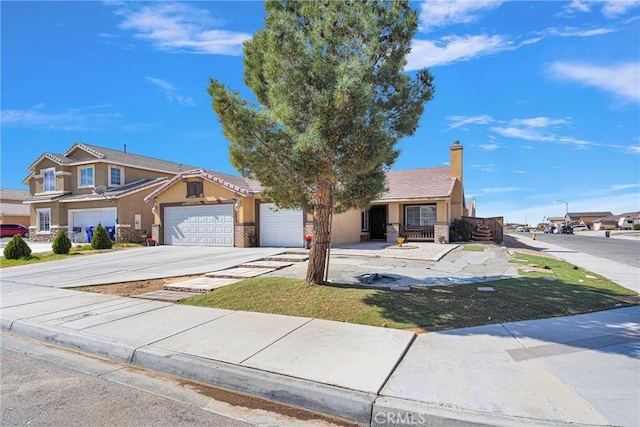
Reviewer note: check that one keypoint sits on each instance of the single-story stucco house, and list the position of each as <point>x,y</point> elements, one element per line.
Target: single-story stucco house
<point>203,207</point>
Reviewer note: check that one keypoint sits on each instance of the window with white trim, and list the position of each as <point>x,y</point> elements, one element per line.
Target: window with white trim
<point>49,180</point>
<point>116,176</point>
<point>85,176</point>
<point>417,216</point>
<point>44,220</point>
<point>365,220</point>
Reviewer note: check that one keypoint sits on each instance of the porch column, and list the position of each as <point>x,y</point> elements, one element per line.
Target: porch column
<point>393,232</point>
<point>441,232</point>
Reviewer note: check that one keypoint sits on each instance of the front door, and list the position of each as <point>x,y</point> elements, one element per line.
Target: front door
<point>378,222</point>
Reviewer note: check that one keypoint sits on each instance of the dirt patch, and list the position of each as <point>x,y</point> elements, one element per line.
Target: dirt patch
<point>514,246</point>
<point>135,288</point>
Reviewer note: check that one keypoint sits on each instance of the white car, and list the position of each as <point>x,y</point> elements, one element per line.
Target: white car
<point>580,227</point>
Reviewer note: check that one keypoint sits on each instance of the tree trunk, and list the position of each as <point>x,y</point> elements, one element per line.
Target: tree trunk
<point>322,208</point>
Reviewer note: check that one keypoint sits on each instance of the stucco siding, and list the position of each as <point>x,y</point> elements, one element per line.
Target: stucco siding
<point>345,227</point>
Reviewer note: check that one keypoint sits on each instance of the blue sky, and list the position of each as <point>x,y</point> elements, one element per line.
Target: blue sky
<point>544,96</point>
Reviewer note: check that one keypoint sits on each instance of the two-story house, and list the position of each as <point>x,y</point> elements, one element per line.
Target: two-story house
<point>88,185</point>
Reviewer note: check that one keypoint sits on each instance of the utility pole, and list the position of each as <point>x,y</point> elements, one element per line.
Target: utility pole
<point>566,220</point>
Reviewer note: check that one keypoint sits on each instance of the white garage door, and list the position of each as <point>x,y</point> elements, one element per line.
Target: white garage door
<point>199,225</point>
<point>280,227</point>
<point>84,218</point>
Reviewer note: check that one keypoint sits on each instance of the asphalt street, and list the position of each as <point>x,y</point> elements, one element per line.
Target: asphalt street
<point>624,251</point>
<point>47,386</point>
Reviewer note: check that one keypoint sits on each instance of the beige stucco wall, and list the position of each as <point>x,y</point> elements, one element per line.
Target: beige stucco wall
<point>457,202</point>
<point>213,193</point>
<point>345,227</point>
<point>15,219</point>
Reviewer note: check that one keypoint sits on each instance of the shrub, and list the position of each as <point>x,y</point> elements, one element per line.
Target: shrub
<point>636,226</point>
<point>17,248</point>
<point>61,244</point>
<point>101,238</point>
<point>460,231</point>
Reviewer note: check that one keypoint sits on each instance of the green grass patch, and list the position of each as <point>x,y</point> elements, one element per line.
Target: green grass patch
<point>473,248</point>
<point>85,249</point>
<point>426,308</point>
<point>569,274</point>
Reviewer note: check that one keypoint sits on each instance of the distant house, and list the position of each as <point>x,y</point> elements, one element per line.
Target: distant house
<point>622,221</point>
<point>557,220</point>
<point>12,209</point>
<point>585,218</point>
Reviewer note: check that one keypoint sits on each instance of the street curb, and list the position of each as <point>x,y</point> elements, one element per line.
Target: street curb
<point>343,403</point>
<point>89,343</point>
<point>391,411</point>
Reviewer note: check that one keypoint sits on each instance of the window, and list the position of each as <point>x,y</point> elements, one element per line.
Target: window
<point>365,220</point>
<point>420,215</point>
<point>194,189</point>
<point>44,220</point>
<point>85,177</point>
<point>50,180</point>
<point>116,176</point>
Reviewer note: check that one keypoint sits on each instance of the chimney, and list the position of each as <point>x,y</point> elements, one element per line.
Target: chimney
<point>125,148</point>
<point>455,162</point>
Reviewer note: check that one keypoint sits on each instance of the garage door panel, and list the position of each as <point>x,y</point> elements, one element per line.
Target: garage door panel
<point>196,225</point>
<point>280,227</point>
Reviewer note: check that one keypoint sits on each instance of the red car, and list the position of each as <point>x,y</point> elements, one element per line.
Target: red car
<point>10,230</point>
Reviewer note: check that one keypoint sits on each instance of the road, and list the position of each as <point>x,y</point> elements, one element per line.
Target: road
<point>624,251</point>
<point>42,385</point>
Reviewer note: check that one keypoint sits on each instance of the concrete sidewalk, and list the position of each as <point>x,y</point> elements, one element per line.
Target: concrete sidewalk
<point>622,274</point>
<point>580,370</point>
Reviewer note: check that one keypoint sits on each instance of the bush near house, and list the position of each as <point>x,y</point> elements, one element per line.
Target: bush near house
<point>61,244</point>
<point>636,226</point>
<point>460,231</point>
<point>17,248</point>
<point>101,238</point>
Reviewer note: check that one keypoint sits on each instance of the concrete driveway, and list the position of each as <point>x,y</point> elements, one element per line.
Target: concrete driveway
<point>143,263</point>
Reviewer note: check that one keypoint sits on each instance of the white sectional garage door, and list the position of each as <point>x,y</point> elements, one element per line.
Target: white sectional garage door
<point>92,217</point>
<point>199,225</point>
<point>281,227</point>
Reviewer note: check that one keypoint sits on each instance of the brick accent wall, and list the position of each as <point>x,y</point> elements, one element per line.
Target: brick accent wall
<point>243,234</point>
<point>156,233</point>
<point>393,232</point>
<point>34,236</point>
<point>124,234</point>
<point>441,233</point>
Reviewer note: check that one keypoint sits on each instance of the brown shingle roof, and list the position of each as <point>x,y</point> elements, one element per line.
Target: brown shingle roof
<point>577,215</point>
<point>426,183</point>
<point>117,192</point>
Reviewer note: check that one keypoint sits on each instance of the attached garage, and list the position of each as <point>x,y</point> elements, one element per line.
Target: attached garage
<point>281,227</point>
<point>84,218</point>
<point>199,225</point>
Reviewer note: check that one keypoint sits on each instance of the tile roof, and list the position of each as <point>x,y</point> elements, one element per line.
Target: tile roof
<point>115,193</point>
<point>425,183</point>
<point>13,194</point>
<point>578,215</point>
<point>237,184</point>
<point>616,218</point>
<point>14,209</point>
<point>115,156</point>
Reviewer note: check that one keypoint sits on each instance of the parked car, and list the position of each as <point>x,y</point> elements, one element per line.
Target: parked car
<point>580,227</point>
<point>549,229</point>
<point>566,229</point>
<point>10,230</point>
<point>521,229</point>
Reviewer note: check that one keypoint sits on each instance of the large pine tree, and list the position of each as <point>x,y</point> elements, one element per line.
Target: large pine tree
<point>333,102</point>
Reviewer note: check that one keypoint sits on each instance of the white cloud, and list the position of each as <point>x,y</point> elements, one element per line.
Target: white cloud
<point>170,91</point>
<point>539,122</point>
<point>484,168</point>
<point>634,149</point>
<point>610,8</point>
<point>450,49</point>
<point>494,190</point>
<point>574,32</point>
<point>439,13</point>
<point>458,121</point>
<point>520,172</point>
<point>489,147</point>
<point>522,133</point>
<point>179,27</point>
<point>617,187</point>
<point>71,119</point>
<point>621,79</point>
